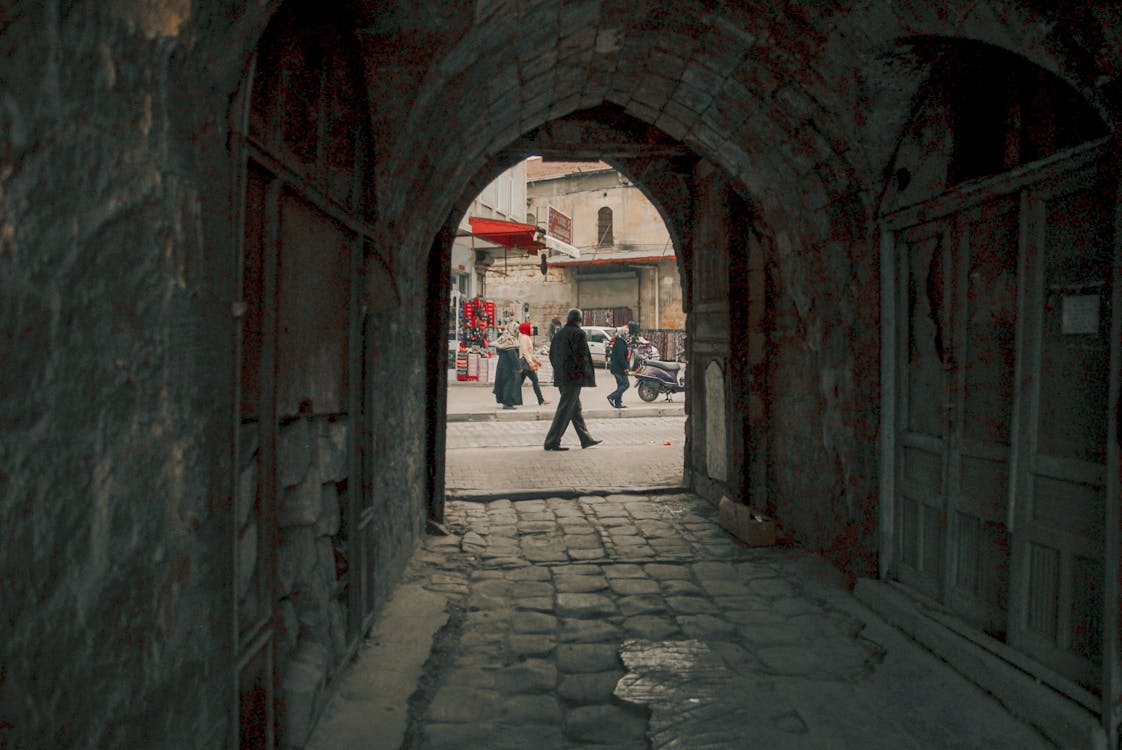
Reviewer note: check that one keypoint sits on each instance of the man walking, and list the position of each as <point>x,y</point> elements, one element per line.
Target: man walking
<point>618,365</point>
<point>572,370</point>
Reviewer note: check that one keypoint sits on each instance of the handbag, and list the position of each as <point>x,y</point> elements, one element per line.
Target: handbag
<point>524,366</point>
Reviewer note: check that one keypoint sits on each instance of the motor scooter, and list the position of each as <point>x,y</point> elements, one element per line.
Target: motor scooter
<point>655,377</point>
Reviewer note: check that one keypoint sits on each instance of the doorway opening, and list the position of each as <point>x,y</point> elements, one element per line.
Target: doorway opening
<point>550,257</point>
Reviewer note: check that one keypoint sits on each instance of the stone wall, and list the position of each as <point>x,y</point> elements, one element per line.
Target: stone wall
<point>119,288</point>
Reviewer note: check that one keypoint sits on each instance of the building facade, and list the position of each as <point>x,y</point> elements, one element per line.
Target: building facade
<point>627,269</point>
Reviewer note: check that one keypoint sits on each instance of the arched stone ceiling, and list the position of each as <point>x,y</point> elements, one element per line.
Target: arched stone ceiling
<point>800,102</point>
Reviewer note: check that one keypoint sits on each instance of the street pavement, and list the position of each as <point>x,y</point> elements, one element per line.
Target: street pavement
<point>635,621</point>
<point>490,451</point>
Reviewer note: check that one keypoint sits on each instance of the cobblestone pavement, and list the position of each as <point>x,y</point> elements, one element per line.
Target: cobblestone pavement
<point>632,621</point>
<point>493,457</point>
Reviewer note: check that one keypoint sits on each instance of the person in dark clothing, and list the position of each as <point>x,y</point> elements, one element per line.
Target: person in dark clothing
<point>619,368</point>
<point>572,370</point>
<point>508,380</point>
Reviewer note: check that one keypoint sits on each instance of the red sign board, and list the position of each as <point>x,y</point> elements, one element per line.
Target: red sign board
<point>560,225</point>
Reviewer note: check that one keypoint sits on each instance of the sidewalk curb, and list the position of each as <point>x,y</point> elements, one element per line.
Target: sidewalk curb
<point>501,415</point>
<point>484,496</point>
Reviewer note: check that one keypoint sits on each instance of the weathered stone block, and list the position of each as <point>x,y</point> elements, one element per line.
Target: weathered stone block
<point>302,683</point>
<point>288,629</point>
<point>295,452</point>
<point>746,524</point>
<point>247,559</point>
<point>301,505</point>
<point>328,522</point>
<point>296,557</point>
<point>332,450</point>
<point>247,492</point>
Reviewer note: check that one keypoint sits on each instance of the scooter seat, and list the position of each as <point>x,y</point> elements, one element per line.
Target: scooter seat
<point>668,366</point>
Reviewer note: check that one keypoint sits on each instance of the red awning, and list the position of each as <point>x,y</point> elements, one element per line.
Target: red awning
<point>507,234</point>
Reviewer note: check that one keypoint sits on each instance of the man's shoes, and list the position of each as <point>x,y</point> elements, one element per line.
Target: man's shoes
<point>612,402</point>
<point>555,448</point>
<point>591,443</point>
<point>508,407</point>
<point>621,406</point>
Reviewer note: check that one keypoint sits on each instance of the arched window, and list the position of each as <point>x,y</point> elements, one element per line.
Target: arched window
<point>604,227</point>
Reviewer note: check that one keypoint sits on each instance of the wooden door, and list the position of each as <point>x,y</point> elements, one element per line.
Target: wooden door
<point>983,350</point>
<point>923,408</point>
<point>1059,581</point>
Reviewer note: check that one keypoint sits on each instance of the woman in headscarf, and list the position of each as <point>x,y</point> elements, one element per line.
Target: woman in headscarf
<point>528,361</point>
<point>508,386</point>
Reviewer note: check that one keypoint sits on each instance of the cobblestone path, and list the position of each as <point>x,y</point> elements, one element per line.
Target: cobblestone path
<point>630,621</point>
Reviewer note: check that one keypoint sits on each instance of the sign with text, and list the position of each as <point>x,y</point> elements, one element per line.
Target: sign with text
<point>560,225</point>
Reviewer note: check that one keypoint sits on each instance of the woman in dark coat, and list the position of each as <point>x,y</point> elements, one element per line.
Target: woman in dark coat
<point>508,379</point>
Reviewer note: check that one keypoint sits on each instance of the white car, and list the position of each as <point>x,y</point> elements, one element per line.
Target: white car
<point>598,338</point>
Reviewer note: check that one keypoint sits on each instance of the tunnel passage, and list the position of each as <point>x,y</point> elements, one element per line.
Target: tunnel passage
<point>124,164</point>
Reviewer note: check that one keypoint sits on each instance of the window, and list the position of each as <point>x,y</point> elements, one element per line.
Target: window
<point>604,227</point>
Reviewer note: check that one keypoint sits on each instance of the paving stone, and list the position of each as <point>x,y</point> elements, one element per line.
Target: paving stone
<point>664,572</point>
<point>642,604</point>
<point>534,604</point>
<point>589,631</point>
<point>789,660</point>
<point>793,606</point>
<point>629,586</point>
<point>651,627</point>
<point>690,605</point>
<point>533,622</point>
<point>584,689</point>
<point>584,605</point>
<point>526,589</point>
<point>609,725</point>
<point>773,588</point>
<point>682,588</point>
<point>537,527</point>
<point>583,542</point>
<point>706,627</point>
<point>628,541</point>
<point>454,736</point>
<point>531,676</point>
<point>624,570</point>
<point>581,584</point>
<point>520,647</point>
<point>531,709</point>
<point>587,554</point>
<point>718,570</point>
<point>530,573</point>
<point>536,736</point>
<point>537,515</point>
<point>463,704</point>
<point>582,658</point>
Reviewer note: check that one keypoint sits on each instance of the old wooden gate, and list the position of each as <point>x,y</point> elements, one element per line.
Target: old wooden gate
<point>1001,325</point>
<point>304,590</point>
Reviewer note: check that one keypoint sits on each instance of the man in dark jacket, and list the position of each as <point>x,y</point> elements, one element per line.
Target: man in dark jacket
<point>572,370</point>
<point>618,365</point>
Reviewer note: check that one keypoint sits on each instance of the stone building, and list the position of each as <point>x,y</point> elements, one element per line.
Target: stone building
<point>627,260</point>
<point>225,252</point>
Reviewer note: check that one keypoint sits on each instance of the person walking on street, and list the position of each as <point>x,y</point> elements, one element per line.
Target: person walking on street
<point>618,367</point>
<point>572,370</point>
<point>529,361</point>
<point>508,386</point>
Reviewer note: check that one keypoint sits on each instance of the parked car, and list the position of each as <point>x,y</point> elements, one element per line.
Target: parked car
<point>600,336</point>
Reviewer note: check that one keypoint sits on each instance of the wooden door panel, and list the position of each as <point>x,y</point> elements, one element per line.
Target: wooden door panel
<point>1061,611</point>
<point>921,447</point>
<point>985,315</point>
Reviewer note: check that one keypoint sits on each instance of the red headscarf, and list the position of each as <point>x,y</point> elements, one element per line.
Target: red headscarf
<point>526,328</point>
